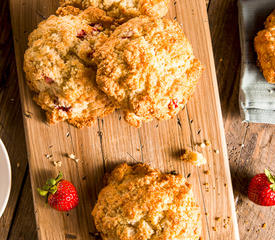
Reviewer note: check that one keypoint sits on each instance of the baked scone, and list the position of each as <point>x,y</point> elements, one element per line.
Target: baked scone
<point>59,65</point>
<point>264,44</point>
<point>140,203</point>
<point>124,8</point>
<point>147,66</point>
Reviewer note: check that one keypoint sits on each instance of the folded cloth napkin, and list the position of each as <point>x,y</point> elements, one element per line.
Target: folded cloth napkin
<point>257,97</point>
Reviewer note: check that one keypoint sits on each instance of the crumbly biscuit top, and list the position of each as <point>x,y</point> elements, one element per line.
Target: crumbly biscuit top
<point>148,67</point>
<point>140,203</point>
<point>59,65</point>
<point>124,8</point>
<point>264,44</point>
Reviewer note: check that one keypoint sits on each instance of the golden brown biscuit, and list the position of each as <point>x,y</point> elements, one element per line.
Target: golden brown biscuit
<point>124,8</point>
<point>59,65</point>
<point>147,66</point>
<point>140,203</point>
<point>264,44</point>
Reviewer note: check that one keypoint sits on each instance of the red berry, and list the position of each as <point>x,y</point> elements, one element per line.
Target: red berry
<point>173,104</point>
<point>261,189</point>
<point>65,198</point>
<point>61,194</point>
<point>81,35</point>
<point>48,80</point>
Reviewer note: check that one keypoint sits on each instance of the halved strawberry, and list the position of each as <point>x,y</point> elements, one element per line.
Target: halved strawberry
<point>61,194</point>
<point>261,189</point>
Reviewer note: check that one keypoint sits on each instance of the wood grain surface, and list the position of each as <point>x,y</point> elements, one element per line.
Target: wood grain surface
<point>111,141</point>
<point>257,151</point>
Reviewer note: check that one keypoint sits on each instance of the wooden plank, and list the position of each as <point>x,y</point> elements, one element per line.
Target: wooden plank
<point>111,141</point>
<point>23,225</point>
<point>11,126</point>
<point>250,146</point>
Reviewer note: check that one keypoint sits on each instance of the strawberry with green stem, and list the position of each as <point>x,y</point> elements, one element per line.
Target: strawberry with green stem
<point>261,189</point>
<point>60,194</point>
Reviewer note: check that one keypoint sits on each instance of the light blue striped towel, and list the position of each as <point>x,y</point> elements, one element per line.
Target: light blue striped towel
<point>257,97</point>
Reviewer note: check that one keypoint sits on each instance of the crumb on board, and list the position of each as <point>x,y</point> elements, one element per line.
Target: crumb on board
<point>216,151</point>
<point>207,172</point>
<point>57,163</point>
<point>194,157</point>
<point>214,228</point>
<point>73,157</point>
<point>264,225</point>
<point>18,165</point>
<point>48,156</point>
<point>202,145</point>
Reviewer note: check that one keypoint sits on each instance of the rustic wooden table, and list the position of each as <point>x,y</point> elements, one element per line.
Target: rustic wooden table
<point>251,147</point>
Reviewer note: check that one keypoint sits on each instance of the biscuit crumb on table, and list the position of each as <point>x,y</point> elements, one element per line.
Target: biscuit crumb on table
<point>194,157</point>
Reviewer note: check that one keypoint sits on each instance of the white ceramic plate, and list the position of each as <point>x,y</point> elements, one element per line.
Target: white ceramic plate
<point>5,177</point>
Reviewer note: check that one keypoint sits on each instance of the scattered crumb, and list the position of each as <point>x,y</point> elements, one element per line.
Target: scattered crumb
<point>207,142</point>
<point>195,158</point>
<point>50,146</point>
<point>191,120</point>
<point>206,172</point>
<point>199,131</point>
<point>248,230</point>
<point>202,145</point>
<point>216,151</point>
<point>57,163</point>
<point>12,100</point>
<point>67,134</point>
<point>225,185</point>
<point>188,175</point>
<point>221,60</point>
<point>28,115</point>
<point>73,157</point>
<point>205,184</point>
<point>48,156</point>
<point>18,165</point>
<point>217,219</point>
<point>264,225</point>
<point>226,222</point>
<point>214,229</point>
<point>206,213</point>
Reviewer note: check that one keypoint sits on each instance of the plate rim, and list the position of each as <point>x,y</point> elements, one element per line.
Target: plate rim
<point>3,150</point>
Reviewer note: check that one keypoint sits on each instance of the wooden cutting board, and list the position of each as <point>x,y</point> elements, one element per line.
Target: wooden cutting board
<point>111,140</point>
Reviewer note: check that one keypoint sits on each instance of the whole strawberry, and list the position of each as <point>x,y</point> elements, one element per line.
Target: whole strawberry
<point>261,189</point>
<point>61,194</point>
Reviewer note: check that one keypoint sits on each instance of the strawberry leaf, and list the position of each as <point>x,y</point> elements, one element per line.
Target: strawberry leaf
<point>51,182</point>
<point>270,177</point>
<point>59,177</point>
<point>53,189</point>
<point>272,186</point>
<point>42,192</point>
